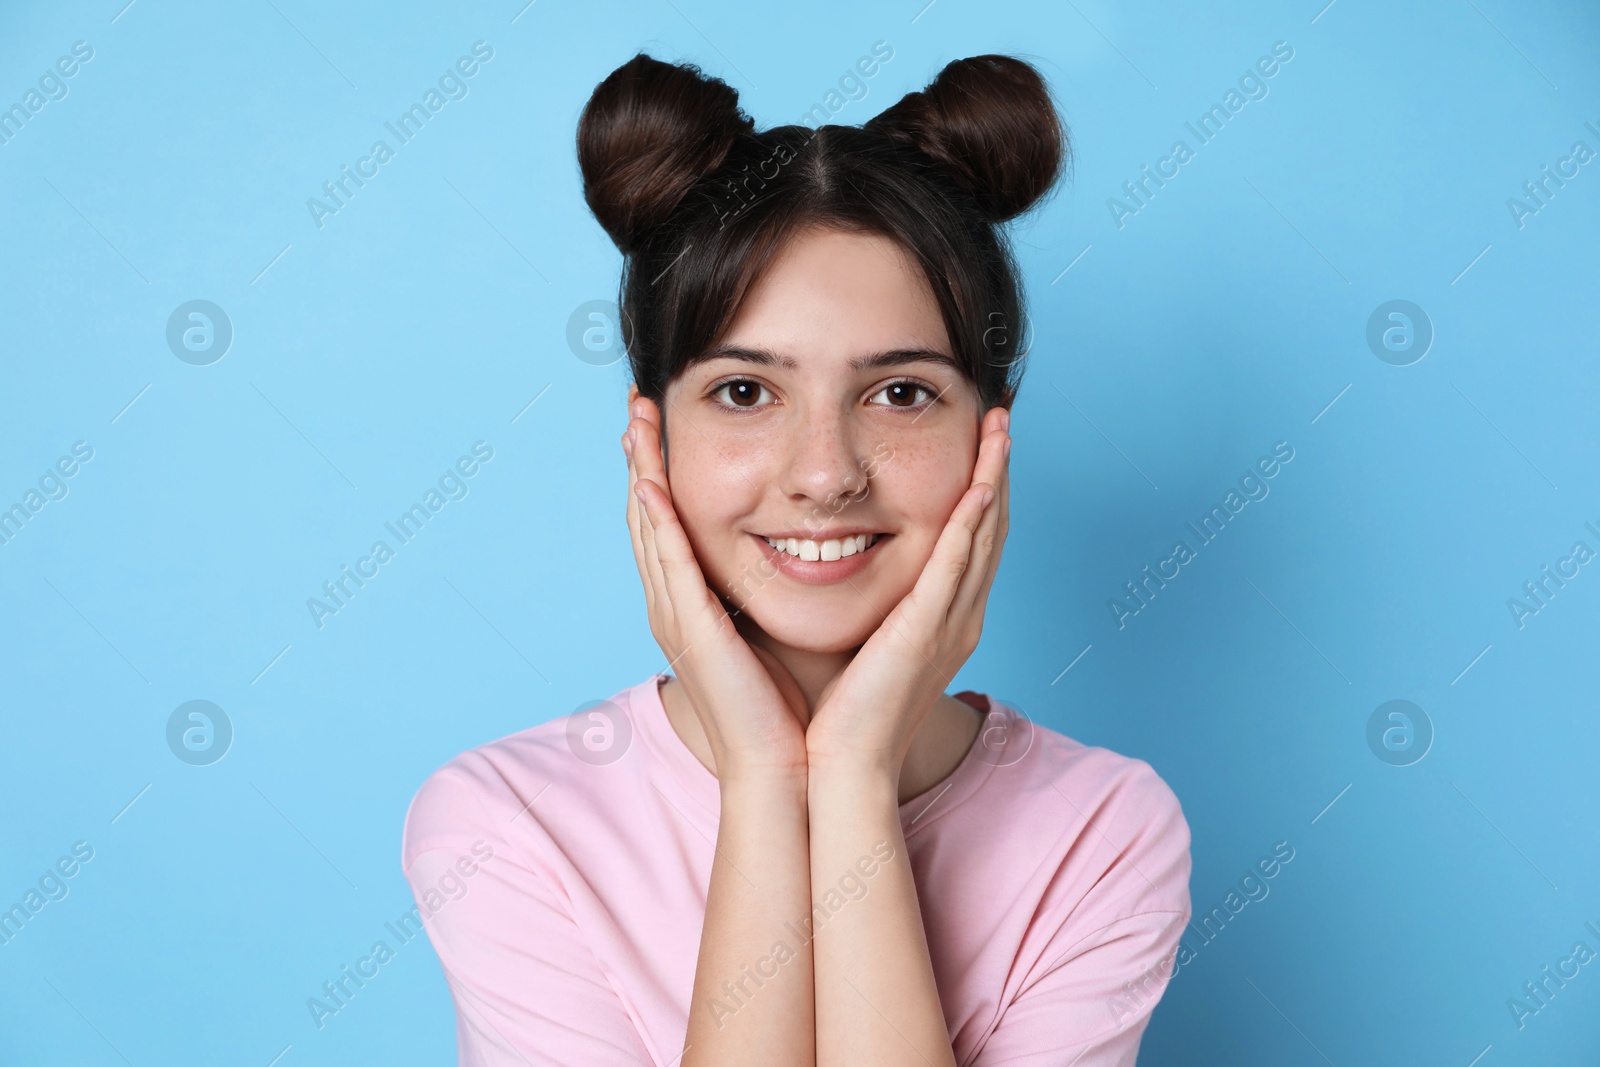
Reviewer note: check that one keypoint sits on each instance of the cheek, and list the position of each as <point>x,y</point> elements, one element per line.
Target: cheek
<point>924,479</point>
<point>711,488</point>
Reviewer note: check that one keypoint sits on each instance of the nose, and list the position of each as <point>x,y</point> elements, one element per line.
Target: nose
<point>823,462</point>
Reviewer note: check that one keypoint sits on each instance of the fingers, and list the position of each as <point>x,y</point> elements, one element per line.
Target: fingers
<point>645,420</point>
<point>955,571</point>
<point>667,548</point>
<point>937,585</point>
<point>682,579</point>
<point>635,524</point>
<point>644,461</point>
<point>647,467</point>
<point>994,461</point>
<point>989,541</point>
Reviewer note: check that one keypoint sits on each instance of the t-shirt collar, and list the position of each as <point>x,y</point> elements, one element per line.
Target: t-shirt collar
<point>692,780</point>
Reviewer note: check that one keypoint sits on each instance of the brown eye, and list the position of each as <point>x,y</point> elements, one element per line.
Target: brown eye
<point>902,394</point>
<point>743,393</point>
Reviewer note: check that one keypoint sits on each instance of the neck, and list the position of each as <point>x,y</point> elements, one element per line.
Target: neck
<point>813,672</point>
<point>951,727</point>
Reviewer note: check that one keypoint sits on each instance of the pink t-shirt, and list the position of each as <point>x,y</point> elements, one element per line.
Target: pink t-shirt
<point>561,873</point>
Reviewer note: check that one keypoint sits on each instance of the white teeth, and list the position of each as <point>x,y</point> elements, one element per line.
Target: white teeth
<point>827,551</point>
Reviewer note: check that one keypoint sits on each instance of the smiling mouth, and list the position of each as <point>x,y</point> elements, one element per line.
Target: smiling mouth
<point>821,561</point>
<point>804,548</point>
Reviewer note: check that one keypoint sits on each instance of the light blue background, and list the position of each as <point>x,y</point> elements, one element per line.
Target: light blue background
<point>426,315</point>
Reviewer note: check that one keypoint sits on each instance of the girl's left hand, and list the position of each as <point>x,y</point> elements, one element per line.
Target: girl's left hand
<point>868,715</point>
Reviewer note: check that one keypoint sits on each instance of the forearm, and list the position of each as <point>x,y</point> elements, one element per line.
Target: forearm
<point>876,999</point>
<point>752,999</point>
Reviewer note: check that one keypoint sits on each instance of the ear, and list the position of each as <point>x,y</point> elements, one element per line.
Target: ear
<point>633,394</point>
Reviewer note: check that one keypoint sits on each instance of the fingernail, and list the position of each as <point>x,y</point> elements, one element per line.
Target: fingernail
<point>627,443</point>
<point>1005,420</point>
<point>988,495</point>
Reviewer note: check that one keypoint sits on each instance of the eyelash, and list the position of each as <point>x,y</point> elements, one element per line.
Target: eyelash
<point>714,394</point>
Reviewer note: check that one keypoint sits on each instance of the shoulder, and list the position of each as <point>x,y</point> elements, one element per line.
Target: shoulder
<point>1126,787</point>
<point>1034,761</point>
<point>480,792</point>
<point>1118,829</point>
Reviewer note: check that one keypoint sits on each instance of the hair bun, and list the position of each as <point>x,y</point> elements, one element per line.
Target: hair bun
<point>649,132</point>
<point>990,121</point>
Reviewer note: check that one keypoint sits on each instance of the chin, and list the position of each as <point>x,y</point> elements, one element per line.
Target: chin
<point>819,628</point>
<point>812,615</point>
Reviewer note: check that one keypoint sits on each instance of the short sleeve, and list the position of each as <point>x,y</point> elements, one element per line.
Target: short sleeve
<point>527,987</point>
<point>1108,962</point>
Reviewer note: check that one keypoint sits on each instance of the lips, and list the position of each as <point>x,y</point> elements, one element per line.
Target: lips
<point>827,550</point>
<point>818,569</point>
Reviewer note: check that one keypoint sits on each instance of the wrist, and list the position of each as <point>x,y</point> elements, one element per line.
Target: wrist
<point>853,774</point>
<point>752,778</point>
<point>836,760</point>
<point>754,763</point>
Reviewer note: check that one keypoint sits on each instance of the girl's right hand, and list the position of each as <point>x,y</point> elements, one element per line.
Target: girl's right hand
<point>752,711</point>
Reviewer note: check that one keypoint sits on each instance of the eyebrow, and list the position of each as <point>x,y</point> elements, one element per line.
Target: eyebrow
<point>893,357</point>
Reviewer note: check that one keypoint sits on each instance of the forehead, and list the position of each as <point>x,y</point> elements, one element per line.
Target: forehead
<point>830,294</point>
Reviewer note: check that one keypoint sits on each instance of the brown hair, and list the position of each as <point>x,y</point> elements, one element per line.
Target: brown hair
<point>698,202</point>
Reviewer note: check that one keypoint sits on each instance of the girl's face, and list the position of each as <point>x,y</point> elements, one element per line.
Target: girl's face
<point>816,456</point>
